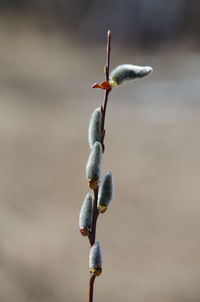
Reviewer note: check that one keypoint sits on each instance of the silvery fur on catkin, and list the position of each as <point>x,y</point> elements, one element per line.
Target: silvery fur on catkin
<point>94,127</point>
<point>93,168</point>
<point>128,72</point>
<point>85,217</point>
<point>106,190</point>
<point>95,259</point>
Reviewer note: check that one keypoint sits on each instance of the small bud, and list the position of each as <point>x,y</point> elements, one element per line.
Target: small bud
<point>93,184</point>
<point>85,217</point>
<point>93,168</point>
<point>105,85</point>
<point>95,259</point>
<point>102,208</point>
<point>105,192</point>
<point>128,72</point>
<point>94,128</point>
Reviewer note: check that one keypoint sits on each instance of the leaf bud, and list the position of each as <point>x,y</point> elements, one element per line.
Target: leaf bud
<point>85,217</point>
<point>93,167</point>
<point>95,259</point>
<point>127,72</point>
<point>94,127</point>
<point>105,194</point>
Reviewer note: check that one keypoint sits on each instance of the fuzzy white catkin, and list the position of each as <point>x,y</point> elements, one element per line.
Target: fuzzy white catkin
<point>93,167</point>
<point>95,259</point>
<point>94,127</point>
<point>85,217</point>
<point>106,190</point>
<point>128,72</point>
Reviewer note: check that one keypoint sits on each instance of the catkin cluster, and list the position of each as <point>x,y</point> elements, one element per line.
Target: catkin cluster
<point>103,193</point>
<point>104,190</point>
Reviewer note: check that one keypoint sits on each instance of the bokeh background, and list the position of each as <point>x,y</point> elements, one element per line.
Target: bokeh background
<point>51,52</point>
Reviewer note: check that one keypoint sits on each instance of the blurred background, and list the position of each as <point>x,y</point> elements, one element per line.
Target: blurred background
<point>51,52</point>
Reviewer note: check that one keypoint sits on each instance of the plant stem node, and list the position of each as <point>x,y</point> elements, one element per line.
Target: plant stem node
<point>93,184</point>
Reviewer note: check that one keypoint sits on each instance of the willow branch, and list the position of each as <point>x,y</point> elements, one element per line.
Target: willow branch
<point>92,235</point>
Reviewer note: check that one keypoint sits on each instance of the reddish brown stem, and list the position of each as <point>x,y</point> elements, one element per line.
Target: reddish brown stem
<point>106,93</point>
<point>107,67</point>
<point>91,287</point>
<point>94,219</point>
<point>95,211</point>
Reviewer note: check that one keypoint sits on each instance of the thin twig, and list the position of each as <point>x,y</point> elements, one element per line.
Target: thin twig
<point>91,287</point>
<point>108,55</point>
<point>106,93</point>
<point>95,211</point>
<point>94,219</point>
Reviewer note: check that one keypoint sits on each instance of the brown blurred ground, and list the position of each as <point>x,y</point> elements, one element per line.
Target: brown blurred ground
<point>150,234</point>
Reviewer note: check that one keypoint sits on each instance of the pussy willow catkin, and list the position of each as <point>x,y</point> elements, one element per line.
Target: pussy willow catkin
<point>105,192</point>
<point>95,259</point>
<point>93,168</point>
<point>85,217</point>
<point>126,72</point>
<point>94,127</point>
